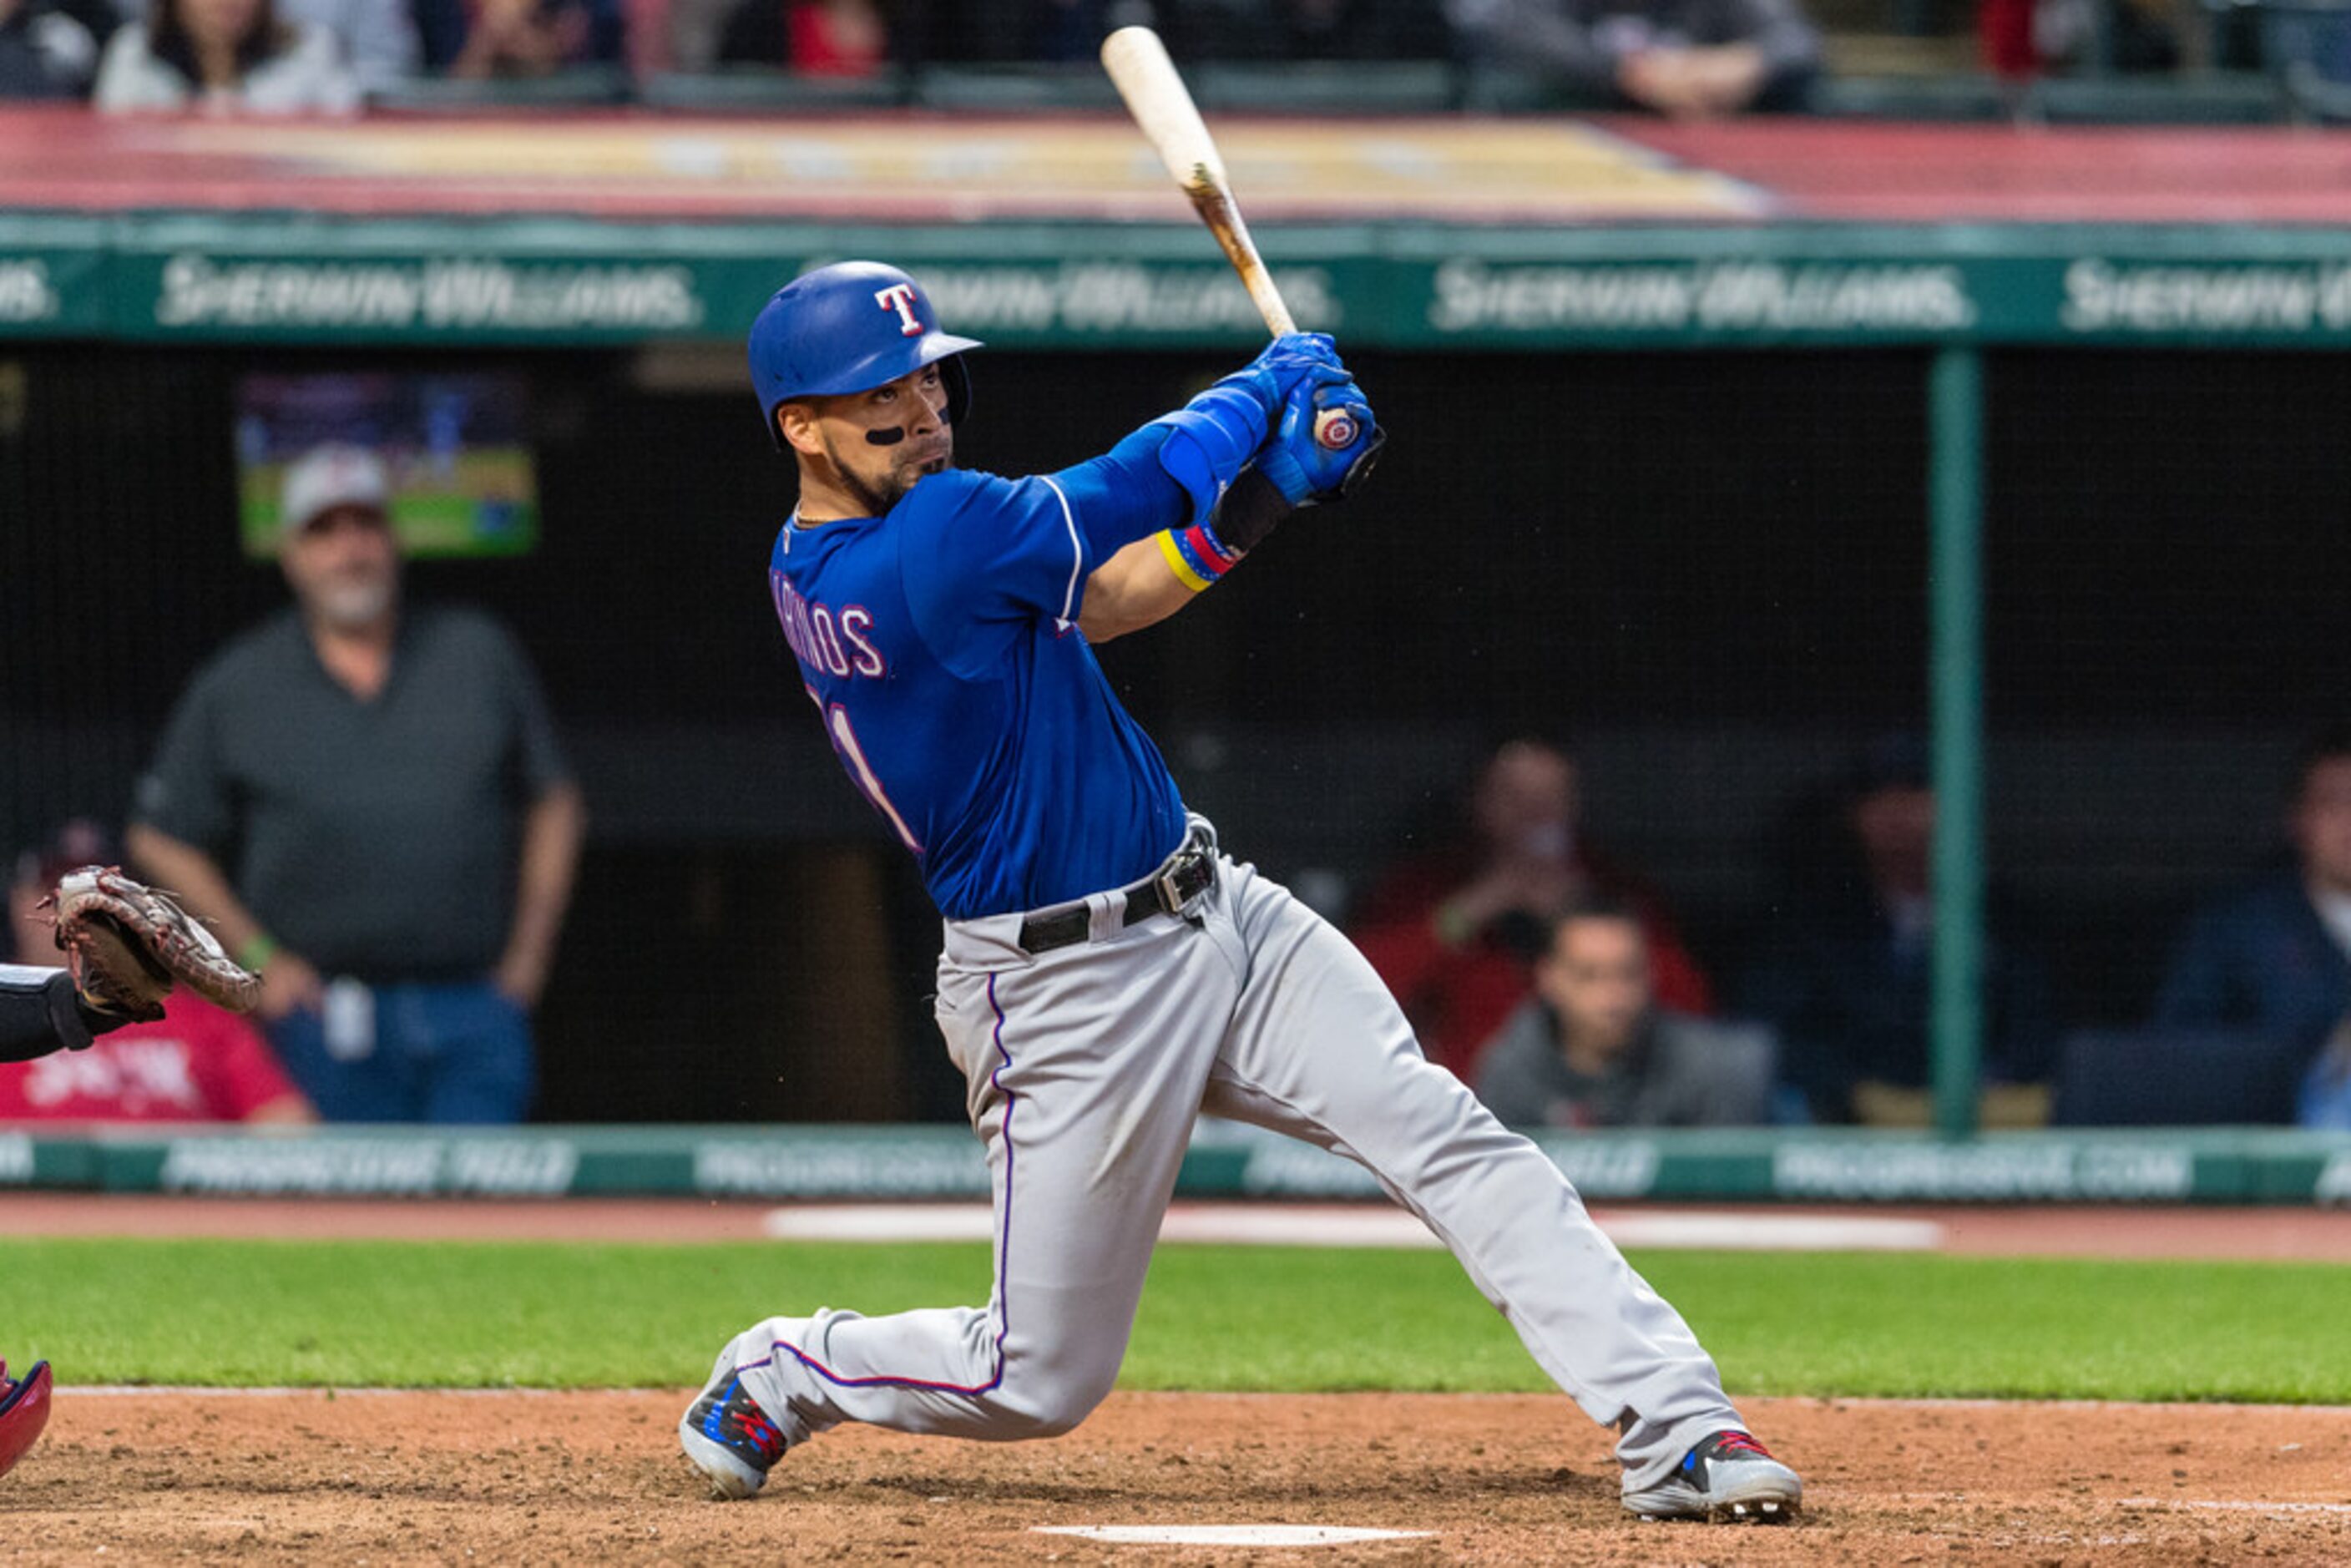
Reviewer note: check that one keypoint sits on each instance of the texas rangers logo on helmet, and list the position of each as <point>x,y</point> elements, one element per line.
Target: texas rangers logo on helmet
<point>848,327</point>
<point>900,297</point>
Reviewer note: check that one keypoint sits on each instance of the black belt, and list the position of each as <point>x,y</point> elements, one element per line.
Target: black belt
<point>1188,874</point>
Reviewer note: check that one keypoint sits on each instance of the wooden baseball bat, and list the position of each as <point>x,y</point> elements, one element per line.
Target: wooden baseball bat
<point>1156,95</point>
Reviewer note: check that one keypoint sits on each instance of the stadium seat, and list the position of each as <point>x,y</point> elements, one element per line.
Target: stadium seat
<point>1963,98</point>
<point>1014,89</point>
<point>582,87</point>
<point>2213,98</point>
<point>1496,89</point>
<point>1329,87</point>
<point>2174,1078</point>
<point>757,89</point>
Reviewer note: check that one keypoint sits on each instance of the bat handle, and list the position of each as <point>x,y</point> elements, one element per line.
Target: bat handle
<point>1336,429</point>
<point>1270,302</point>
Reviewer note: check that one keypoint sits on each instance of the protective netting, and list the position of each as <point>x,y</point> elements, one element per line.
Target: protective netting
<point>1706,572</point>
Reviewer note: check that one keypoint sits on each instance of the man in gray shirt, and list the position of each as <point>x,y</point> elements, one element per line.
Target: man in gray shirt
<point>1589,1049</point>
<point>369,804</point>
<point>1689,59</point>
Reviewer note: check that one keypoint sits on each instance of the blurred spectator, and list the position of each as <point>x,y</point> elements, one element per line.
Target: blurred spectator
<point>378,37</point>
<point>1846,979</point>
<point>483,39</point>
<point>2023,39</point>
<point>198,1063</point>
<point>812,38</point>
<point>1689,59</point>
<point>2275,958</point>
<point>233,55</point>
<point>1589,1049</point>
<point>44,51</point>
<point>1065,31</point>
<point>1454,933</point>
<point>369,803</point>
<point>1305,30</point>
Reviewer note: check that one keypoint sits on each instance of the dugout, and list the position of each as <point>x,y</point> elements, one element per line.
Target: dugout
<point>1714,450</point>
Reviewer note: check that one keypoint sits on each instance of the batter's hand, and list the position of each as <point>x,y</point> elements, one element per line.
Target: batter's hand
<point>1301,467</point>
<point>1288,360</point>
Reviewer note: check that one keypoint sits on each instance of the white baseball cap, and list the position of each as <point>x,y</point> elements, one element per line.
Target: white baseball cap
<point>325,478</point>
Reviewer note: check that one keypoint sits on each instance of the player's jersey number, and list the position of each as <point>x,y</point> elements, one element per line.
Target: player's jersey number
<point>843,736</point>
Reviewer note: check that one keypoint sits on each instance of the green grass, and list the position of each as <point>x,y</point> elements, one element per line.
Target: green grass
<point>549,1316</point>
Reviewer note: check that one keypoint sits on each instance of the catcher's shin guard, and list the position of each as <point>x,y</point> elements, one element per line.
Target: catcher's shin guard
<point>23,1411</point>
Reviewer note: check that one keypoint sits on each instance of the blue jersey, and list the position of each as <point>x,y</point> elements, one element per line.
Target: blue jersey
<point>940,642</point>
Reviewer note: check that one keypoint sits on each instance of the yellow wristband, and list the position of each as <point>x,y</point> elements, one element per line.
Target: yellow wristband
<point>1183,568</point>
<point>256,950</point>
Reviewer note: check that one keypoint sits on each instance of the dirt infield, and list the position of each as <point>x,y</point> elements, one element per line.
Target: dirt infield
<point>402,1478</point>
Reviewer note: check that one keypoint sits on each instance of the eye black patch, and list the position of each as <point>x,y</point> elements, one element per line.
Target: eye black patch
<point>890,437</point>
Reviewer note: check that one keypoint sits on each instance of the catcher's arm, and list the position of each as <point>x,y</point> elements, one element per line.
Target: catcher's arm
<point>40,1013</point>
<point>127,946</point>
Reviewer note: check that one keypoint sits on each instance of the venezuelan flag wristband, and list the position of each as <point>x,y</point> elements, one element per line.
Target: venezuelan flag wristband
<point>1195,555</point>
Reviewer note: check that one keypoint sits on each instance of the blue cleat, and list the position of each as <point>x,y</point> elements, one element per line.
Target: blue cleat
<point>729,1437</point>
<point>1729,1479</point>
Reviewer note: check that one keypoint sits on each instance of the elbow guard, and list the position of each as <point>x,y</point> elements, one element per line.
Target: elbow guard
<point>1210,439</point>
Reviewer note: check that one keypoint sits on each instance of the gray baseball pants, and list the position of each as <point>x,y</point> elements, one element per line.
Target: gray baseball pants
<point>1087,1065</point>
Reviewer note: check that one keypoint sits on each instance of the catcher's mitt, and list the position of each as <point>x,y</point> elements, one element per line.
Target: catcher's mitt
<point>127,944</point>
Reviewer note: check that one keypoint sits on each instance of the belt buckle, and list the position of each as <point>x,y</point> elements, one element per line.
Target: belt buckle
<point>1170,886</point>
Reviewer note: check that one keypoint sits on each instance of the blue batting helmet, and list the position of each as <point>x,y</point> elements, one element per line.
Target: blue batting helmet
<point>848,328</point>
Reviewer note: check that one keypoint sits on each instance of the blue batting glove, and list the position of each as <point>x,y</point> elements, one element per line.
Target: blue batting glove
<point>1287,361</point>
<point>1294,458</point>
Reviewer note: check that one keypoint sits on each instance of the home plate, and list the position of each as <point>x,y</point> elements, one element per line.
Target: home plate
<point>1227,1534</point>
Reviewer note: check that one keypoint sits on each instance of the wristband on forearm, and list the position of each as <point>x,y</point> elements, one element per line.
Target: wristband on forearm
<point>1197,556</point>
<point>256,951</point>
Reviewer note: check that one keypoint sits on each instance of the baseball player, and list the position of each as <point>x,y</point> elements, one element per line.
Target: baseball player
<point>41,1011</point>
<point>125,946</point>
<point>1108,973</point>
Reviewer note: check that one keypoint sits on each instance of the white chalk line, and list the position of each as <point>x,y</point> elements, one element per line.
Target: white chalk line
<point>1227,1535</point>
